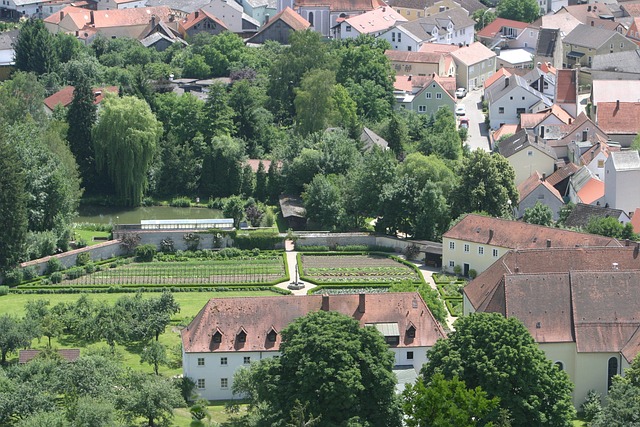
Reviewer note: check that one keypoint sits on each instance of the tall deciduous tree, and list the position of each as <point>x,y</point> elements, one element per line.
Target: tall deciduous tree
<point>518,10</point>
<point>314,101</point>
<point>442,137</point>
<point>81,116</point>
<point>125,139</point>
<point>13,335</point>
<point>34,48</point>
<point>20,97</point>
<point>323,201</point>
<point>498,354</point>
<point>151,397</point>
<point>13,207</point>
<point>217,111</point>
<point>222,168</point>
<point>341,371</point>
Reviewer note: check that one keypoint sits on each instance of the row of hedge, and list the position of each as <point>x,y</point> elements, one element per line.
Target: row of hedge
<point>128,289</point>
<point>345,248</point>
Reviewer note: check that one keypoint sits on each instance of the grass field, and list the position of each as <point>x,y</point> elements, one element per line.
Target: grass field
<point>88,235</point>
<point>345,269</point>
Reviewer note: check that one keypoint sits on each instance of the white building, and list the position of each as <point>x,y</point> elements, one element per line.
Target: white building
<point>229,333</point>
<point>622,170</point>
<point>374,23</point>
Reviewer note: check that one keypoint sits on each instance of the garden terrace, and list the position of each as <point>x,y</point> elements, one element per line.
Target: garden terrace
<point>339,268</point>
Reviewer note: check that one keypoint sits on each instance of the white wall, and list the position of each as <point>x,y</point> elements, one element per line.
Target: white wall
<point>406,43</point>
<point>476,261</point>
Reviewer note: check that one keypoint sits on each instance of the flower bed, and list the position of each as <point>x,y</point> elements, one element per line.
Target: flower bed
<point>361,269</point>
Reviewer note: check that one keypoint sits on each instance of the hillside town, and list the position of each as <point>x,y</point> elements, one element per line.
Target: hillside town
<point>358,213</point>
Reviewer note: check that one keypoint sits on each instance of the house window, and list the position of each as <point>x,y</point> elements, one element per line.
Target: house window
<point>530,153</point>
<point>217,337</point>
<point>612,368</point>
<point>621,45</point>
<point>559,365</point>
<point>399,37</point>
<point>348,28</point>
<point>466,248</point>
<point>224,382</point>
<point>242,336</point>
<point>393,36</point>
<point>200,361</point>
<point>611,46</point>
<point>495,253</point>
<point>427,95</point>
<point>422,108</point>
<point>200,383</point>
<point>480,250</point>
<point>411,332</point>
<point>310,18</point>
<point>223,361</point>
<point>438,96</point>
<point>452,264</point>
<point>600,163</point>
<point>409,48</point>
<point>500,110</point>
<point>409,355</point>
<point>471,69</point>
<point>540,196</point>
<point>271,336</point>
<point>246,360</point>
<point>392,340</point>
<point>520,111</point>
<point>452,245</point>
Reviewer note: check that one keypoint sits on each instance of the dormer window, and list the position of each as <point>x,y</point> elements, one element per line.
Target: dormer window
<point>272,335</point>
<point>217,337</point>
<point>241,336</point>
<point>411,331</point>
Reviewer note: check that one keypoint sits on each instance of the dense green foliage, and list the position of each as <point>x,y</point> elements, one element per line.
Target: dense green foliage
<point>518,10</point>
<point>538,214</point>
<point>611,227</point>
<point>498,354</point>
<point>623,400</point>
<point>13,207</point>
<point>317,347</point>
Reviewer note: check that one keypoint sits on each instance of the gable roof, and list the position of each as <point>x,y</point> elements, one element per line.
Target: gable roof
<point>341,5</point>
<point>625,160</point>
<point>292,206</point>
<point>504,130</point>
<point>199,16</point>
<point>371,139</point>
<point>375,20</point>
<point>527,186</point>
<point>68,354</point>
<point>619,118</point>
<point>520,235</point>
<point>590,37</point>
<point>619,62</point>
<point>582,213</point>
<point>635,221</point>
<point>472,54</point>
<point>65,95</point>
<point>502,72</point>
<point>417,57</point>
<point>292,19</point>
<point>562,173</point>
<point>565,22</point>
<point>615,90</point>
<point>493,29</point>
<point>583,11</point>
<point>471,5</point>
<point>423,28</point>
<point>592,153</point>
<point>438,47</point>
<point>55,18</point>
<point>521,141</point>
<point>497,90</point>
<point>258,316</point>
<point>566,86</point>
<point>547,40</point>
<point>255,164</point>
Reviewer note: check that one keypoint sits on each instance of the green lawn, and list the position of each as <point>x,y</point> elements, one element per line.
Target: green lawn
<point>182,418</point>
<point>88,236</point>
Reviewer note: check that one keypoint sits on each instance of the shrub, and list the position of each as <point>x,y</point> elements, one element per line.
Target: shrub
<point>29,273</point>
<point>265,240</point>
<point>217,203</point>
<point>83,258</point>
<point>74,273</point>
<point>56,277</point>
<point>167,245</point>
<point>180,202</point>
<point>457,269</point>
<point>81,243</point>
<point>54,265</point>
<point>473,273</point>
<point>411,251</point>
<point>591,407</point>
<point>13,277</point>
<point>91,268</point>
<point>230,253</point>
<point>192,241</point>
<point>4,290</point>
<point>268,219</point>
<point>145,253</point>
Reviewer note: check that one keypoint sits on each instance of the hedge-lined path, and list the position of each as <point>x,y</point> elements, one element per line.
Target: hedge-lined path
<point>427,273</point>
<point>291,262</point>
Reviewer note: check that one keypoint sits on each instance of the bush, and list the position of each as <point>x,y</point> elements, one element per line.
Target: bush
<point>457,269</point>
<point>14,277</point>
<point>29,273</point>
<point>56,277</point>
<point>74,273</point>
<point>264,240</point>
<point>91,268</point>
<point>591,407</point>
<point>83,258</point>
<point>473,273</point>
<point>192,241</point>
<point>180,202</point>
<point>81,243</point>
<point>145,253</point>
<point>167,245</point>
<point>411,251</point>
<point>4,290</point>
<point>41,244</point>
<point>54,265</point>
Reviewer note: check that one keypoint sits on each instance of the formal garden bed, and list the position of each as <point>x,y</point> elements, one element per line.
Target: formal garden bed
<point>450,288</point>
<point>341,268</point>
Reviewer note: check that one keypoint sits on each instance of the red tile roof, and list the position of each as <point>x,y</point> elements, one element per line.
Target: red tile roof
<point>55,18</point>
<point>199,16</point>
<point>592,191</point>
<point>375,20</point>
<point>566,86</point>
<point>342,5</point>
<point>635,221</point>
<point>419,57</point>
<point>534,181</point>
<point>438,48</point>
<point>491,80</point>
<point>257,316</point>
<point>255,164</point>
<point>70,355</point>
<point>506,130</point>
<point>494,28</point>
<point>520,235</point>
<point>65,95</point>
<point>563,173</point>
<point>619,118</point>
<point>129,17</point>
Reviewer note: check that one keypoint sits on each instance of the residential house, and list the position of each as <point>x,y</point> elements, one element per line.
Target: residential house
<point>579,304</point>
<point>68,20</point>
<point>369,139</point>
<point>7,62</point>
<point>551,6</point>
<point>64,97</point>
<point>260,10</point>
<point>279,27</point>
<point>451,27</point>
<point>582,44</point>
<point>536,189</point>
<point>120,4</point>
<point>478,241</point>
<point>582,214</point>
<point>586,187</point>
<point>560,178</point>
<point>201,21</point>
<point>566,95</point>
<point>161,36</point>
<point>515,58</point>
<point>180,8</point>
<point>538,122</point>
<point>565,22</point>
<point>528,155</point>
<point>509,97</point>
<point>572,140</point>
<point>548,47</point>
<point>232,15</point>
<point>475,64</point>
<point>222,338</point>
<point>323,15</point>
<point>612,91</point>
<point>425,95</point>
<point>630,9</point>
<point>623,175</point>
<point>506,33</point>
<point>587,13</point>
<point>616,66</point>
<point>620,120</point>
<point>595,157</point>
<point>633,33</point>
<point>415,9</point>
<point>374,23</point>
<point>421,63</point>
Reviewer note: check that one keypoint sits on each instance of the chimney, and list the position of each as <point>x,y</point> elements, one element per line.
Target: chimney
<point>325,303</point>
<point>589,8</point>
<point>197,14</point>
<point>410,77</point>
<point>153,21</point>
<point>266,19</point>
<point>61,15</point>
<point>548,243</point>
<point>361,302</point>
<point>506,82</point>
<point>490,234</point>
<point>544,176</point>
<point>91,21</point>
<point>614,265</point>
<point>617,104</point>
<point>539,64</point>
<point>541,84</point>
<point>592,22</point>
<point>384,9</point>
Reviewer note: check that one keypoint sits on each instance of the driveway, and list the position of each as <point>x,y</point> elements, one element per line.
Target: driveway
<point>478,136</point>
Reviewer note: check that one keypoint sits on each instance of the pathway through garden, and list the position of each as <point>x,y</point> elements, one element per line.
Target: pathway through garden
<point>292,260</point>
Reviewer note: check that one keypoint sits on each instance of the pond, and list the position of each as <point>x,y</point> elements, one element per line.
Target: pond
<point>120,215</point>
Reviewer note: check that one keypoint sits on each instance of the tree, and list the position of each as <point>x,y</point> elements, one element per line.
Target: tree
<point>538,214</point>
<point>217,111</point>
<point>260,192</point>
<point>20,97</point>
<point>81,116</point>
<point>154,354</point>
<point>442,137</point>
<point>610,227</point>
<point>13,335</point>
<point>34,48</point>
<point>196,67</point>
<point>487,183</point>
<point>323,201</point>
<point>234,208</point>
<point>151,397</point>
<point>222,168</point>
<point>444,403</point>
<point>93,412</point>
<point>623,405</point>
<point>518,10</point>
<point>397,134</point>
<point>319,346</point>
<point>13,207</point>
<point>314,101</point>
<point>483,17</point>
<point>125,140</point>
<point>498,354</point>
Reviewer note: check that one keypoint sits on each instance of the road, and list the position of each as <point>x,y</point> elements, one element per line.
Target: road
<point>478,134</point>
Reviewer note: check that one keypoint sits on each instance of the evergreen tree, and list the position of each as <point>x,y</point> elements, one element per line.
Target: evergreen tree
<point>13,207</point>
<point>260,193</point>
<point>397,134</point>
<point>274,187</point>
<point>34,48</point>
<point>222,168</point>
<point>217,111</point>
<point>81,116</point>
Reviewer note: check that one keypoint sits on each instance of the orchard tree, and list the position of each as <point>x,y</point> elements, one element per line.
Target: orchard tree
<point>125,140</point>
<point>539,214</point>
<point>518,10</point>
<point>498,354</point>
<point>338,370</point>
<point>486,183</point>
<point>14,334</point>
<point>13,207</point>
<point>155,354</point>
<point>150,397</point>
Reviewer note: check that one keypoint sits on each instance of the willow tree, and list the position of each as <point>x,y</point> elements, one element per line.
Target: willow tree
<point>125,139</point>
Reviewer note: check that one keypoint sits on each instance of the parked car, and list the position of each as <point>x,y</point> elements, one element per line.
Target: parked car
<point>461,92</point>
<point>461,110</point>
<point>464,123</point>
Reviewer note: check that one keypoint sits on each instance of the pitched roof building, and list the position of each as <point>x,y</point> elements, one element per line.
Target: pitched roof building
<point>239,331</point>
<point>279,27</point>
<point>65,95</point>
<point>536,189</point>
<point>582,213</point>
